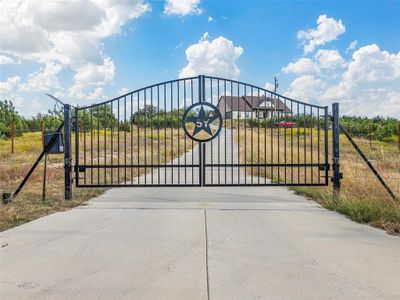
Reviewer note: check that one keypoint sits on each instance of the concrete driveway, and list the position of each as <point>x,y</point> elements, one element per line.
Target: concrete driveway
<point>198,243</point>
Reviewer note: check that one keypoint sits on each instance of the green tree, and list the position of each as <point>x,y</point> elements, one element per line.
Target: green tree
<point>9,116</point>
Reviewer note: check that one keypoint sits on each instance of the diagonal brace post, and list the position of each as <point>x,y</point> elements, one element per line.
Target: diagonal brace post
<point>368,163</point>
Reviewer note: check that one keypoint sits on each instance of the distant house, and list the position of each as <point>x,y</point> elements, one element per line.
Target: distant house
<point>252,107</point>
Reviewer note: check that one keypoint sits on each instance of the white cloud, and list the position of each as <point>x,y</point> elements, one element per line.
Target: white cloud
<point>39,31</point>
<point>217,57</point>
<point>96,74</point>
<point>65,34</point>
<point>328,29</point>
<point>365,85</point>
<point>210,19</point>
<point>182,7</point>
<point>5,60</point>
<point>44,79</point>
<point>369,63</point>
<point>301,67</point>
<point>9,85</point>
<point>305,87</point>
<point>96,94</point>
<point>328,59</point>
<point>352,46</point>
<point>90,75</point>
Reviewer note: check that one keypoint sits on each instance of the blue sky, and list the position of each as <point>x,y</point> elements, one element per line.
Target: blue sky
<point>114,47</point>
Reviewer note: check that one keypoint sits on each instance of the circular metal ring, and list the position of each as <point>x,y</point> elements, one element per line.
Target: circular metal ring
<point>203,121</point>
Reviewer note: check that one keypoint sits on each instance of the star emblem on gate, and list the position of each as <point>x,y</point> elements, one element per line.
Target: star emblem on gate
<point>202,115</point>
<point>202,122</point>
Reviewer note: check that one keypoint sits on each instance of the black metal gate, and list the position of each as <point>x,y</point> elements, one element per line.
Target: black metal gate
<point>201,131</point>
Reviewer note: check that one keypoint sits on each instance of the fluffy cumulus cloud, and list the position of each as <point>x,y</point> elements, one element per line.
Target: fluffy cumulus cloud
<point>182,7</point>
<point>367,84</point>
<point>305,87</point>
<point>329,59</point>
<point>301,67</point>
<point>364,84</point>
<point>58,35</point>
<point>328,29</point>
<point>44,79</point>
<point>370,63</point>
<point>216,57</point>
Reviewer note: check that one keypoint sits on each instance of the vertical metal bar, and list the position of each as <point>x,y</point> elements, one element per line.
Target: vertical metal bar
<point>298,142</point>
<point>125,139</point>
<point>44,177</point>
<point>265,136</point>
<point>277,104</point>
<point>203,164</point>
<point>201,174</point>
<point>311,137</point>
<point>112,143</point>
<point>291,142</point>
<point>191,96</point>
<point>245,136</point>
<point>203,99</point>
<point>91,145</point>
<point>285,135</point>
<point>84,146</point>
<point>172,136</point>
<point>238,134</point>
<point>251,137</point>
<point>76,146</point>
<point>232,138</point>
<point>184,136</point>
<point>165,133</point>
<point>226,127</point>
<point>131,124</point>
<point>145,134</point>
<point>335,143</point>
<point>319,137</point>
<point>67,152</point>
<point>219,136</point>
<point>200,95</point>
<point>158,132</point>
<point>258,133</point>
<point>319,148</point>
<point>305,143</point>
<point>118,137</point>
<point>105,142</point>
<point>152,137</point>
<point>272,142</point>
<point>138,136</point>
<point>178,112</point>
<point>98,144</point>
<point>212,142</point>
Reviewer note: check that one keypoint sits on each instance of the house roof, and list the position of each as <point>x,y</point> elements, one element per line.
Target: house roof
<point>248,103</point>
<point>235,103</point>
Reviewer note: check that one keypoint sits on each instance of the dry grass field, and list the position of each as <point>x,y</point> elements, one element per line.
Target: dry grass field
<point>362,197</point>
<point>28,205</point>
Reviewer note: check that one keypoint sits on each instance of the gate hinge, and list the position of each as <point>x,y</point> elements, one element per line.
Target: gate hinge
<point>340,177</point>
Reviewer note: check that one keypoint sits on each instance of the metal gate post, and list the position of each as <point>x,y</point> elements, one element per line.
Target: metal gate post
<point>337,176</point>
<point>67,152</point>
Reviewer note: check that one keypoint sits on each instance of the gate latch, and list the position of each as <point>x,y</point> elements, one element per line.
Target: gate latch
<point>81,169</point>
<point>324,167</point>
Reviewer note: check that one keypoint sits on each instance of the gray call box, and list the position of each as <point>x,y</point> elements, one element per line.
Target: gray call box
<point>58,146</point>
